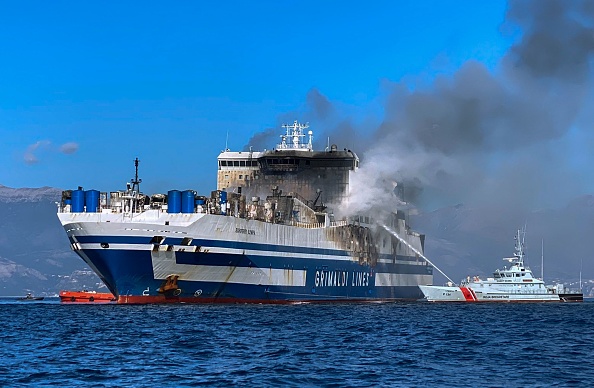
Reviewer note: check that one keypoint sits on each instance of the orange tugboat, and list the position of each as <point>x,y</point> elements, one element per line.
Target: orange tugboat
<point>86,297</point>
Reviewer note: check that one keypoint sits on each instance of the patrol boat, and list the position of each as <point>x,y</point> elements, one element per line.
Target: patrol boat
<point>514,284</point>
<point>267,234</point>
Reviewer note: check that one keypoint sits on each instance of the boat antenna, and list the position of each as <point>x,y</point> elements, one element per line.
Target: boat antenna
<point>227,141</point>
<point>136,182</point>
<point>581,265</point>
<point>542,259</point>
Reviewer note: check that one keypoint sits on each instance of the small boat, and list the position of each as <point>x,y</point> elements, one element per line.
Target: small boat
<point>85,296</point>
<point>30,297</point>
<point>514,284</point>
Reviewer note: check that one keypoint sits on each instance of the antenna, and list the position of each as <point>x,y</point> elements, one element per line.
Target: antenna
<point>227,141</point>
<point>542,259</point>
<point>581,264</point>
<point>136,182</point>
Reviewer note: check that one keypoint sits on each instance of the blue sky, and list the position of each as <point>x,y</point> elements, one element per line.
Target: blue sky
<point>87,87</point>
<point>165,83</point>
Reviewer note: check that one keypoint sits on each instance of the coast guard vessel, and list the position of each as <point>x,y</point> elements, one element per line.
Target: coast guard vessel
<point>514,284</point>
<point>266,235</point>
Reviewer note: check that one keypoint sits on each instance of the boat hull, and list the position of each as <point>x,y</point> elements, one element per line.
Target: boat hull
<point>270,264</point>
<point>469,294</point>
<point>86,297</point>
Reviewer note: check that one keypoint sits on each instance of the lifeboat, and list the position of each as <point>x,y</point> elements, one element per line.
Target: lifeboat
<point>85,296</point>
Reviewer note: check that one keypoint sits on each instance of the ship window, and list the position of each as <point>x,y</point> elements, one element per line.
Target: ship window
<point>254,163</point>
<point>236,163</point>
<point>240,176</point>
<point>157,240</point>
<point>223,163</point>
<point>242,163</point>
<point>104,245</point>
<point>186,241</point>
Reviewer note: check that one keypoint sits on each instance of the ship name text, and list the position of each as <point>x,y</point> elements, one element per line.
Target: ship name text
<point>245,231</point>
<point>341,279</point>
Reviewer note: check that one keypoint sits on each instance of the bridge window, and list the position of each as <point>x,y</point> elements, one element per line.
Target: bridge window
<point>242,163</point>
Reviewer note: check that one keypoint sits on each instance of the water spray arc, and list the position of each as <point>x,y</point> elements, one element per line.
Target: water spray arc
<point>393,233</point>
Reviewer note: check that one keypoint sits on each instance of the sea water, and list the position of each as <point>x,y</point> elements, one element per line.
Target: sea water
<point>329,345</point>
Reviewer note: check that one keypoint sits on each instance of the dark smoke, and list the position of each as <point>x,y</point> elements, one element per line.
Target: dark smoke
<point>263,140</point>
<point>495,139</point>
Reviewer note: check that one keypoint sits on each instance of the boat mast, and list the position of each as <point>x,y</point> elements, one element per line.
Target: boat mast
<point>581,264</point>
<point>542,259</point>
<point>136,182</point>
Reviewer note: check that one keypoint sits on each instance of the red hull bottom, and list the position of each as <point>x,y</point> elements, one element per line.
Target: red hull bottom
<point>134,299</point>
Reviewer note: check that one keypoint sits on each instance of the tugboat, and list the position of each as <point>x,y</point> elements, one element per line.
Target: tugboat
<point>30,297</point>
<point>85,296</point>
<point>514,284</point>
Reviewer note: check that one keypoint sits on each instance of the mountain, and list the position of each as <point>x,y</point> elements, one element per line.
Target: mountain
<point>464,241</point>
<point>35,253</point>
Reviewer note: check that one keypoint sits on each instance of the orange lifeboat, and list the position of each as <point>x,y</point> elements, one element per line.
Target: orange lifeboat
<point>86,297</point>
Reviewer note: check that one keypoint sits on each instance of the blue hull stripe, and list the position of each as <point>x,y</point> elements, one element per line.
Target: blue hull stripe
<point>230,244</point>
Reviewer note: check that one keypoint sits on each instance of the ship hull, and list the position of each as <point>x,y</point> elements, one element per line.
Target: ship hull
<point>262,263</point>
<point>469,294</point>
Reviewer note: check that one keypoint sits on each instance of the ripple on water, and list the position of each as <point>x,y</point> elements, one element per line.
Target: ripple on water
<point>401,344</point>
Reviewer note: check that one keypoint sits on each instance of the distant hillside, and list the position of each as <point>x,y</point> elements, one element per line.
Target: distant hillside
<point>464,241</point>
<point>34,250</point>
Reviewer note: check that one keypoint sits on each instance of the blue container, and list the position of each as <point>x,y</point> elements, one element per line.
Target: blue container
<point>67,202</point>
<point>78,201</point>
<point>223,202</point>
<point>187,201</point>
<point>173,201</point>
<point>200,202</point>
<point>92,200</point>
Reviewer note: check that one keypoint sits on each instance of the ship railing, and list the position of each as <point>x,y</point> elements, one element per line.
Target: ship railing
<point>308,225</point>
<point>318,225</point>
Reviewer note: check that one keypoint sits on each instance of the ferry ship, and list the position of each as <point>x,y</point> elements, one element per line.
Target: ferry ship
<point>266,235</point>
<point>514,284</point>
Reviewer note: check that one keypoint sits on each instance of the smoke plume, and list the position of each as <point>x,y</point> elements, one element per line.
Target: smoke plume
<point>480,137</point>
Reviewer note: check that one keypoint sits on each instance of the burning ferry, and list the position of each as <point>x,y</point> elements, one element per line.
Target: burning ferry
<point>266,235</point>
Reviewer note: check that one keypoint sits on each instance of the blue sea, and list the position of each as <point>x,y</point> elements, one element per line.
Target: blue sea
<point>335,345</point>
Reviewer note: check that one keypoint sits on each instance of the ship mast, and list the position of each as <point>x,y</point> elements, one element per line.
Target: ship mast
<point>136,182</point>
<point>293,139</point>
